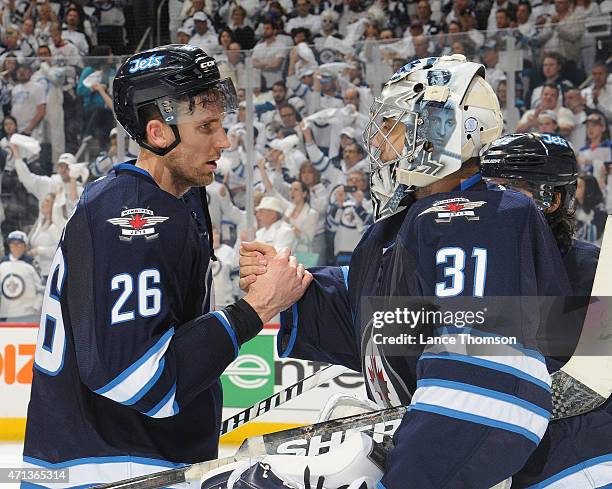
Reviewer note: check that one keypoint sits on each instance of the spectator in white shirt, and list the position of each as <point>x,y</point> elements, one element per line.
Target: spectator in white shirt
<point>46,233</point>
<point>203,37</point>
<point>271,227</point>
<point>304,18</point>
<point>490,59</point>
<point>598,94</point>
<point>269,55</point>
<point>64,181</point>
<point>20,283</point>
<point>225,272</point>
<point>551,69</point>
<point>548,101</point>
<point>575,102</point>
<point>72,34</point>
<point>301,217</point>
<point>28,103</point>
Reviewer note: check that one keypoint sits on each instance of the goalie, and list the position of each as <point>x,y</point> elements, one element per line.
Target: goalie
<point>475,416</point>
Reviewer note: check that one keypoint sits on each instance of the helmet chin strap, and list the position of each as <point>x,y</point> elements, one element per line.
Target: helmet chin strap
<point>166,150</point>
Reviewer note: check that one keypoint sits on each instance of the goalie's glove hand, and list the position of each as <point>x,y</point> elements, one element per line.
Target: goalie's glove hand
<point>355,464</point>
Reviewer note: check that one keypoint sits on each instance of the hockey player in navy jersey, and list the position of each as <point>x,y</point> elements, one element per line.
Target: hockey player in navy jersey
<point>575,452</point>
<point>128,358</point>
<point>474,419</point>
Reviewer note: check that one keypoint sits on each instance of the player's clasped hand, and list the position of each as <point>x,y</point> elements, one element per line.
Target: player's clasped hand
<point>281,284</point>
<point>254,257</point>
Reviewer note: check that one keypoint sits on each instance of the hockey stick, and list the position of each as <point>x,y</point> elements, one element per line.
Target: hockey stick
<point>585,381</point>
<point>309,440</point>
<point>262,407</point>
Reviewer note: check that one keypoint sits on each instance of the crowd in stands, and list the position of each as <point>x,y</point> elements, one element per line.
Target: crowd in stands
<point>315,67</point>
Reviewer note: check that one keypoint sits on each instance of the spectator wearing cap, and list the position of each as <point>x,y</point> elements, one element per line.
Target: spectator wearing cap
<point>326,91</point>
<point>183,35</point>
<point>72,33</point>
<point>20,283</point>
<point>548,101</point>
<point>202,36</point>
<point>301,82</point>
<point>349,212</point>
<point>271,228</point>
<point>64,181</point>
<point>598,94</point>
<point>547,122</point>
<point>28,103</point>
<point>269,55</point>
<point>298,214</point>
<point>552,63</point>
<point>302,17</point>
<point>575,102</point>
<point>189,10</point>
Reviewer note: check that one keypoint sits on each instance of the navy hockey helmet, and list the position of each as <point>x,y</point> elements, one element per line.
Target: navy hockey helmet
<point>163,76</point>
<point>543,163</point>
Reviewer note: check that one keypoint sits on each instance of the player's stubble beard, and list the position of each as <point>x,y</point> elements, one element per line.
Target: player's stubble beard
<point>186,174</point>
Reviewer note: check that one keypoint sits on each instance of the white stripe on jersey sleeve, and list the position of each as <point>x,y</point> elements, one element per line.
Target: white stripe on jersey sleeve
<point>135,381</point>
<point>482,409</point>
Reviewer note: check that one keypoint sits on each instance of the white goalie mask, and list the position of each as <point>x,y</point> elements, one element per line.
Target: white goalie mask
<point>432,115</point>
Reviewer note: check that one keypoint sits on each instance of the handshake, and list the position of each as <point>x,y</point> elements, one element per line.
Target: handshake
<point>273,281</point>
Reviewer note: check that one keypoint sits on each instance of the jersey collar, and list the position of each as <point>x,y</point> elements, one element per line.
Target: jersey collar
<point>130,167</point>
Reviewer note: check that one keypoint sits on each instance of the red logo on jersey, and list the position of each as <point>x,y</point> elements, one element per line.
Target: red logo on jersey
<point>451,208</point>
<point>133,224</point>
<point>377,380</point>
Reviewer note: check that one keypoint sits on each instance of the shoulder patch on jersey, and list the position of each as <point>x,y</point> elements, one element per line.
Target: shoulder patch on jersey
<point>137,222</point>
<point>457,207</point>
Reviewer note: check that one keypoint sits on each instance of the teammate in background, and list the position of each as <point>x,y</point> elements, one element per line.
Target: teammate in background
<point>128,359</point>
<point>439,232</point>
<point>544,167</point>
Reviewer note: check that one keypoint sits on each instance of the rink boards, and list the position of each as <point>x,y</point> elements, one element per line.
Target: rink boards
<point>257,373</point>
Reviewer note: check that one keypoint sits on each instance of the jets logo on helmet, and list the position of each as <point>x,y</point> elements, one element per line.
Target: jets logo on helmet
<point>145,63</point>
<point>188,76</point>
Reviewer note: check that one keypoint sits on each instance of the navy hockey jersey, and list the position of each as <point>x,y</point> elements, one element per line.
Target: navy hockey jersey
<point>126,377</point>
<point>473,420</point>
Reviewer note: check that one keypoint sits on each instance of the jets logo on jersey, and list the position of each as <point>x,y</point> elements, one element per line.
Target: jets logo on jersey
<point>451,208</point>
<point>137,222</point>
<point>142,64</point>
<point>13,286</point>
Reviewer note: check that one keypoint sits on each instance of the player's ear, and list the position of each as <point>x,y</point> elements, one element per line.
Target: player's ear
<point>555,203</point>
<point>159,134</point>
